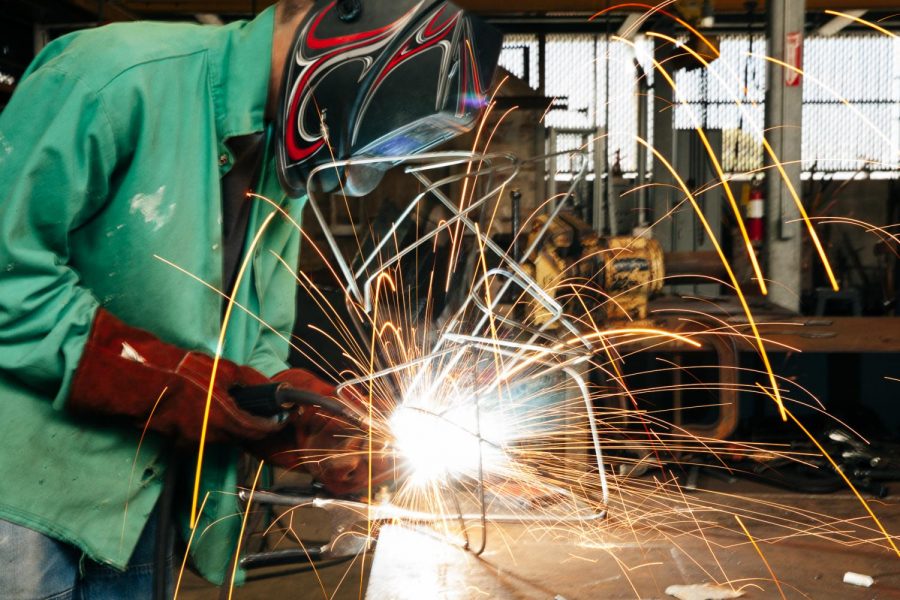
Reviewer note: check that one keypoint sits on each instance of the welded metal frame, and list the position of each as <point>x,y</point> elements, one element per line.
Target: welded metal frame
<point>451,347</point>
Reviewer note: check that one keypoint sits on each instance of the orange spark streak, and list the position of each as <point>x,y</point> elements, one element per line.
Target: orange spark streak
<point>737,288</point>
<point>462,200</point>
<point>544,115</point>
<point>761,555</point>
<point>525,363</point>
<point>371,392</point>
<point>793,192</point>
<point>693,515</point>
<point>720,173</point>
<point>861,22</point>
<point>658,8</point>
<point>237,551</point>
<point>326,137</point>
<point>778,165</point>
<point>220,345</point>
<point>640,331</point>
<point>617,371</point>
<point>837,96</point>
<point>243,308</point>
<point>187,551</point>
<point>843,476</point>
<point>498,357</point>
<point>137,453</point>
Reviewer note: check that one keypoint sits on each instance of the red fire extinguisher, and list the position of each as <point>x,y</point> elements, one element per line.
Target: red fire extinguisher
<point>756,214</point>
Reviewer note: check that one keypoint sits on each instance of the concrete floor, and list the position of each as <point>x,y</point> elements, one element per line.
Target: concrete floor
<point>341,582</point>
<point>409,565</point>
<point>522,564</point>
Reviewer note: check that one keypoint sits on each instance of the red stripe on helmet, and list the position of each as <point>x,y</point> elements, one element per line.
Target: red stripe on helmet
<point>433,37</point>
<point>431,28</point>
<point>295,152</point>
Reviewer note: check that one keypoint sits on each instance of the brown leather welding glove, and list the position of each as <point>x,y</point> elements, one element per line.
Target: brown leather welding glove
<point>329,447</point>
<point>129,373</point>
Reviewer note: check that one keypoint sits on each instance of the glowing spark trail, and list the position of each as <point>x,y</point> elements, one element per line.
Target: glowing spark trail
<point>761,555</point>
<point>220,345</point>
<point>776,393</point>
<point>862,21</point>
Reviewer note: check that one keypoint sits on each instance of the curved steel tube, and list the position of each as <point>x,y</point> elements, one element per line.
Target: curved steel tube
<point>511,270</point>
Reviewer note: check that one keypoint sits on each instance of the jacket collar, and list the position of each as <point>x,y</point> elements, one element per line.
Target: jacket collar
<point>240,64</point>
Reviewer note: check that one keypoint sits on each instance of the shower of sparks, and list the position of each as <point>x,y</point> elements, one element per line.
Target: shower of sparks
<point>491,408</point>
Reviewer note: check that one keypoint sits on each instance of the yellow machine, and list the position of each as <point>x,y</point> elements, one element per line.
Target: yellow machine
<point>574,263</point>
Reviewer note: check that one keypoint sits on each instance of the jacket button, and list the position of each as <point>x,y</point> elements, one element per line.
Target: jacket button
<point>223,160</point>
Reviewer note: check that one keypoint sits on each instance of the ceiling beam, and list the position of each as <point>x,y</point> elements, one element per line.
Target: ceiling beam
<point>233,7</point>
<point>106,11</point>
<point>838,23</point>
<point>116,8</point>
<point>119,10</point>
<point>209,19</point>
<point>593,6</point>
<point>629,26</point>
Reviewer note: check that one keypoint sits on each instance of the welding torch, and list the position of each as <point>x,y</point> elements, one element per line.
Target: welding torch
<point>280,399</point>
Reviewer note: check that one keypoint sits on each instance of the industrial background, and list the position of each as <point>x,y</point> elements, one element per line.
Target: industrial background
<point>580,81</point>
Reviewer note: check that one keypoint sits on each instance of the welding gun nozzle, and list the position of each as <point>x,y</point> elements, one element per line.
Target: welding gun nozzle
<point>274,399</point>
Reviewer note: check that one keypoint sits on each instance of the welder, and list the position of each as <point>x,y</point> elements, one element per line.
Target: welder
<point>126,157</point>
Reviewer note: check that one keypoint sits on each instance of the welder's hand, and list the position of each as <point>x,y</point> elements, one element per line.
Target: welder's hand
<point>330,447</point>
<point>129,373</point>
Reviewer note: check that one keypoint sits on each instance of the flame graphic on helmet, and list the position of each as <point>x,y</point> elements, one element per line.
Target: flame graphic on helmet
<point>317,57</point>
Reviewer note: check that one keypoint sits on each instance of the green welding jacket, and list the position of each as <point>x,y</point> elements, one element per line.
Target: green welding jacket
<point>111,153</point>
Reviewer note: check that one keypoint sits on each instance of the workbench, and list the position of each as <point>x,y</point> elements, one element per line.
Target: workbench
<point>843,339</point>
<point>782,330</point>
<point>412,564</point>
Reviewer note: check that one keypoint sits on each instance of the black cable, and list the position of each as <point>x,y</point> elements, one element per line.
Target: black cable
<point>163,542</point>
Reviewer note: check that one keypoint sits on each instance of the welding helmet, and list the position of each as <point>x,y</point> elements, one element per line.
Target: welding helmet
<point>378,79</point>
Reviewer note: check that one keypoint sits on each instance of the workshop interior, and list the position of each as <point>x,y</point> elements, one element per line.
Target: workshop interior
<point>631,331</point>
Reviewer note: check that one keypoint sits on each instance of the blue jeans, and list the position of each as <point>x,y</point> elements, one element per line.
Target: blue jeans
<point>34,566</point>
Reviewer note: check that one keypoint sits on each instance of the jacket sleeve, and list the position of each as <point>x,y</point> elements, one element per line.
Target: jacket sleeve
<point>57,153</point>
